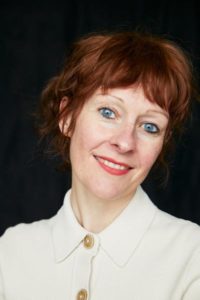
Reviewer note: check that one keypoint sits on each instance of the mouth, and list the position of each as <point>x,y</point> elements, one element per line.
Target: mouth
<point>113,167</point>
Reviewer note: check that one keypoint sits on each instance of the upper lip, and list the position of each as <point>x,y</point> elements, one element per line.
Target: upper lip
<point>113,161</point>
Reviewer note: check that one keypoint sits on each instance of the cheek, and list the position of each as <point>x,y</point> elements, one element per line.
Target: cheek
<point>85,138</point>
<point>150,154</point>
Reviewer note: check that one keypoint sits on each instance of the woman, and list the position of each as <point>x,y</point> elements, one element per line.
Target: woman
<point>111,113</point>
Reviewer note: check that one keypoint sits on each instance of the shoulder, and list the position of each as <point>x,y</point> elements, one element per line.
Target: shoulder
<point>169,227</point>
<point>33,239</point>
<point>177,242</point>
<point>26,237</point>
<point>177,235</point>
<point>165,224</point>
<point>172,224</point>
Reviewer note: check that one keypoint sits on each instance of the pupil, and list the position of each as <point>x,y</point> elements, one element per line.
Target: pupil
<point>107,112</point>
<point>149,127</point>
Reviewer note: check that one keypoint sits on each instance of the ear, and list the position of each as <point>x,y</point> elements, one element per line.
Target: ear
<point>64,122</point>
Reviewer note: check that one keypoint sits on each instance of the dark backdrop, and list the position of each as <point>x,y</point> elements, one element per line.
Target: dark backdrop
<point>33,42</point>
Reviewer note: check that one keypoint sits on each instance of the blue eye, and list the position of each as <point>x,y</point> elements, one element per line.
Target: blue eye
<point>107,113</point>
<point>151,128</point>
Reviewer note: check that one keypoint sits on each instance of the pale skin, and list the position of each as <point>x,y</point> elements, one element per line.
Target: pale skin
<point>117,139</point>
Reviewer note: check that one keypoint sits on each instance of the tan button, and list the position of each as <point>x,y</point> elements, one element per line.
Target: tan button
<point>82,295</point>
<point>88,241</point>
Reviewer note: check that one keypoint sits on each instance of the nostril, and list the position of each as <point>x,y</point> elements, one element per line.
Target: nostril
<point>125,140</point>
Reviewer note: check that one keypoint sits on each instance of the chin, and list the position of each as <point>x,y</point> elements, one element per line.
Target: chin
<point>111,192</point>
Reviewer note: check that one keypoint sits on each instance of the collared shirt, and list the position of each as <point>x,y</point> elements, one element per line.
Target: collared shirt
<point>144,254</point>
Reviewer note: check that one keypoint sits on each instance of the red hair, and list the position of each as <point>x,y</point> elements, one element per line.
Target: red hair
<point>113,60</point>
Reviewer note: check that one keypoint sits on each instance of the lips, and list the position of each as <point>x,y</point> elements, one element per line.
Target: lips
<point>113,167</point>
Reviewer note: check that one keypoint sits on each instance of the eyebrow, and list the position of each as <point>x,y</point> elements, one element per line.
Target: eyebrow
<point>163,112</point>
<point>118,98</point>
<point>106,94</point>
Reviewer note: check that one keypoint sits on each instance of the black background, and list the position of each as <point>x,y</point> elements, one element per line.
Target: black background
<point>34,38</point>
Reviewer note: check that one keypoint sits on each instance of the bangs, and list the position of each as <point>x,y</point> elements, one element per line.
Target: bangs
<point>144,66</point>
<point>123,60</point>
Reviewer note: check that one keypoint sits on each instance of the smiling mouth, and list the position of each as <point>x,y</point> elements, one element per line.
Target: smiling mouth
<point>112,167</point>
<point>111,164</point>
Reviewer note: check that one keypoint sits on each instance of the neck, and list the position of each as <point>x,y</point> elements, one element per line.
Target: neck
<point>94,213</point>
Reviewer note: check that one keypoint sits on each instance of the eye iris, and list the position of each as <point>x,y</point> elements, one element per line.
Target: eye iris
<point>150,127</point>
<point>107,112</point>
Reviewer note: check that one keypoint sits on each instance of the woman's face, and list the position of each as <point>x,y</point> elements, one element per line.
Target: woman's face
<point>117,138</point>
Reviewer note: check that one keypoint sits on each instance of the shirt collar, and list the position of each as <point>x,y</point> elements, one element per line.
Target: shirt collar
<point>67,233</point>
<point>122,237</point>
<point>119,240</point>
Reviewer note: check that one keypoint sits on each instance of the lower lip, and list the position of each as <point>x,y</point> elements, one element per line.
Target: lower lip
<point>112,170</point>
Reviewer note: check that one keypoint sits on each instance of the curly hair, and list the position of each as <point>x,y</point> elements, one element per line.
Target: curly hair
<point>113,60</point>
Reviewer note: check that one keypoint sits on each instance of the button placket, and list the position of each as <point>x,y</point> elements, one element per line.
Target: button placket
<point>83,267</point>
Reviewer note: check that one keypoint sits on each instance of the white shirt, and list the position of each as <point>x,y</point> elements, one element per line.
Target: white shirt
<point>144,254</point>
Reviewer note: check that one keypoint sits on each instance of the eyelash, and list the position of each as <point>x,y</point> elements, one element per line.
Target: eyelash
<point>104,110</point>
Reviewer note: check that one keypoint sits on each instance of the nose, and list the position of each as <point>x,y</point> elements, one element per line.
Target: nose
<point>124,140</point>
